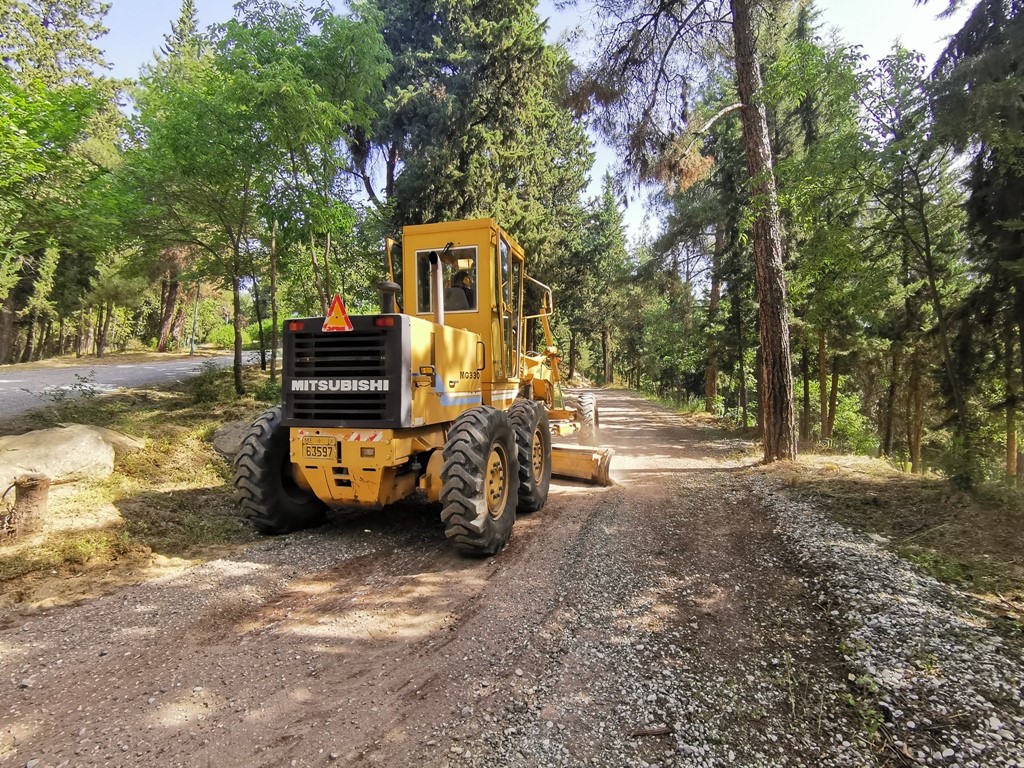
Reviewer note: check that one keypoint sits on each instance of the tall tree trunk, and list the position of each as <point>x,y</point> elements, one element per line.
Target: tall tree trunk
<point>30,339</point>
<point>176,334</point>
<point>888,430</point>
<point>163,307</point>
<point>777,375</point>
<point>236,297</point>
<point>112,330</point>
<point>103,328</point>
<point>80,342</point>
<point>915,415</point>
<point>96,325</point>
<point>822,386</point>
<point>805,410</point>
<point>572,355</point>
<point>606,353</point>
<point>192,319</point>
<point>318,283</point>
<point>833,396</point>
<point>170,306</point>
<point>257,309</point>
<point>711,373</point>
<point>259,321</point>
<point>274,330</point>
<point>8,312</point>
<point>942,322</point>
<point>46,331</point>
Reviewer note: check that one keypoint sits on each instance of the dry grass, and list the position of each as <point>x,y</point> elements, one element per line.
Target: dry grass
<point>974,540</point>
<point>167,505</point>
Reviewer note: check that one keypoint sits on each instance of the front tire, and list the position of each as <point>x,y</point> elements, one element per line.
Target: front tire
<point>480,489</point>
<point>533,440</point>
<point>590,426</point>
<point>265,490</point>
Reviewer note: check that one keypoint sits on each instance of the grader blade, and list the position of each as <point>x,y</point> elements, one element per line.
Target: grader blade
<point>580,462</point>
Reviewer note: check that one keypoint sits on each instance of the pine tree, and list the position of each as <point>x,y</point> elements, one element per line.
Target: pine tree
<point>979,88</point>
<point>184,39</point>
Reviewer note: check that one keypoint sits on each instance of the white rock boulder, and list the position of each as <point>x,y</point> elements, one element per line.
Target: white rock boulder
<point>64,454</point>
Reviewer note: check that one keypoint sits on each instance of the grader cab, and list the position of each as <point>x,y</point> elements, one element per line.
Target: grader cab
<point>437,394</point>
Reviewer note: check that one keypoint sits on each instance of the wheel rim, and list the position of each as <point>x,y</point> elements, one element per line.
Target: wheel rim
<point>537,457</point>
<point>497,481</point>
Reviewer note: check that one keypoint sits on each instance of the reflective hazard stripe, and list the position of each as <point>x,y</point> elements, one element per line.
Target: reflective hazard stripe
<point>364,437</point>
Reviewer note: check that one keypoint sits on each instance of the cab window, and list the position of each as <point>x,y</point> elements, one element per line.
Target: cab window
<point>511,295</point>
<point>459,274</point>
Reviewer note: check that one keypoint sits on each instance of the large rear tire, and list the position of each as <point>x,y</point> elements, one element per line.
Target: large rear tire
<point>480,488</point>
<point>265,490</point>
<point>590,426</point>
<point>533,440</point>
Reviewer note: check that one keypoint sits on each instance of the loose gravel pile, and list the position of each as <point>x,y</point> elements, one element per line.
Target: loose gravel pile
<point>946,689</point>
<point>917,678</point>
<point>664,662</point>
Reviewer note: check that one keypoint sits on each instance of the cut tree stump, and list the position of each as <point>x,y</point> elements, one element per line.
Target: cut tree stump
<point>31,494</point>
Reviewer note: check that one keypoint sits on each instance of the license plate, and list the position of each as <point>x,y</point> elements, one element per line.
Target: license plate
<point>320,448</point>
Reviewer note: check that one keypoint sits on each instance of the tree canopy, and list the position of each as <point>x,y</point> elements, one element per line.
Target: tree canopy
<point>831,255</point>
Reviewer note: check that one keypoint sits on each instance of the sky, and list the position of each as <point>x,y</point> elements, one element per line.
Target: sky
<point>137,29</point>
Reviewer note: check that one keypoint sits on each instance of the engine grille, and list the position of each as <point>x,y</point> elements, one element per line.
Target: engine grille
<point>353,354</point>
<point>338,407</point>
<point>355,378</point>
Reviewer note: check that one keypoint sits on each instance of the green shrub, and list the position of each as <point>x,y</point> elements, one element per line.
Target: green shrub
<point>851,430</point>
<point>962,464</point>
<point>253,329</point>
<point>268,391</point>
<point>224,336</point>
<point>211,384</point>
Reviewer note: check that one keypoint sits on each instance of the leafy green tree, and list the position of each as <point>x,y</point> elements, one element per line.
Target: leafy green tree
<point>51,41</point>
<point>312,78</point>
<point>815,88</point>
<point>910,177</point>
<point>198,166</point>
<point>64,128</point>
<point>589,277</point>
<point>977,83</point>
<point>185,41</point>
<point>240,142</point>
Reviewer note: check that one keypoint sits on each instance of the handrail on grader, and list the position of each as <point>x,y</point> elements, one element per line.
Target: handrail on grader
<point>547,309</point>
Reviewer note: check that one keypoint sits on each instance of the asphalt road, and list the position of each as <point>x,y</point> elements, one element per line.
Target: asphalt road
<point>24,389</point>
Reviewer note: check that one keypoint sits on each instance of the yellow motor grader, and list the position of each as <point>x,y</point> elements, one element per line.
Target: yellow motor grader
<point>435,394</point>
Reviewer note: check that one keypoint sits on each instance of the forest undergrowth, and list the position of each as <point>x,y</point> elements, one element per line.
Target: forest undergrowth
<point>166,506</point>
<point>972,540</point>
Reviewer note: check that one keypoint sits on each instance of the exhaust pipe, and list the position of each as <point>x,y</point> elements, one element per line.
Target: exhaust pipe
<point>437,279</point>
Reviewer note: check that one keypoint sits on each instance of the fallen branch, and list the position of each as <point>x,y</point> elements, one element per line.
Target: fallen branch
<point>662,730</point>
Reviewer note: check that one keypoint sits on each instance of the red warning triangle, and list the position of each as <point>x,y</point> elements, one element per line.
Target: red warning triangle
<point>337,318</point>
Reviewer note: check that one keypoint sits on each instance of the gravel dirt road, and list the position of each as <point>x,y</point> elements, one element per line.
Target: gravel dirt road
<point>670,620</point>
